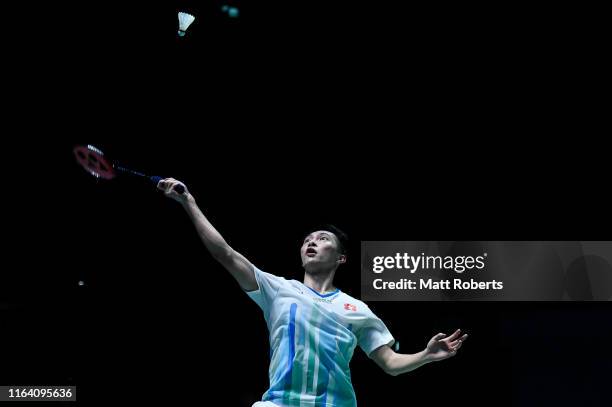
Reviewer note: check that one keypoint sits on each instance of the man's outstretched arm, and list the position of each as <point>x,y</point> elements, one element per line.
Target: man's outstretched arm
<point>438,348</point>
<point>238,266</point>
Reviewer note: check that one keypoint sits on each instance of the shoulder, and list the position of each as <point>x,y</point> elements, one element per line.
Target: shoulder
<point>268,282</point>
<point>259,272</point>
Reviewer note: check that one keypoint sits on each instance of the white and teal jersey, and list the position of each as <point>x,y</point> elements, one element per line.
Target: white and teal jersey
<point>312,339</point>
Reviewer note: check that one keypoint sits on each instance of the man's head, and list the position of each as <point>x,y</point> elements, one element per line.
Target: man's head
<point>323,250</point>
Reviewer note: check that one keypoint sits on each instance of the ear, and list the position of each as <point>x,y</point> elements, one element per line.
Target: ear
<point>342,259</point>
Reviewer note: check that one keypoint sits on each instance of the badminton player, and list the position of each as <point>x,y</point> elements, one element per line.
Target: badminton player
<point>313,326</point>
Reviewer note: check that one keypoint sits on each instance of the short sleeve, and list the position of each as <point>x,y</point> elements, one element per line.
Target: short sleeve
<point>373,334</point>
<point>268,286</point>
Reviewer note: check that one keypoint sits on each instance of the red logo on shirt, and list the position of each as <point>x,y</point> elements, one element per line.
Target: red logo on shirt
<point>350,307</point>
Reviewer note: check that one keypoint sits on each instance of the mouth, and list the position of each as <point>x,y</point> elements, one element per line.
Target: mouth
<point>311,252</point>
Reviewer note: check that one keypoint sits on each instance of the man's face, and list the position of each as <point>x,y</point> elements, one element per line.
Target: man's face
<point>320,250</point>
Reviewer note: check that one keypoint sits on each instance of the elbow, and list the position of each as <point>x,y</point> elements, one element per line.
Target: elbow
<point>222,254</point>
<point>392,372</point>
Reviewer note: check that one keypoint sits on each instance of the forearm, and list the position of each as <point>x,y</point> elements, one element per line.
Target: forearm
<point>212,239</point>
<point>403,363</point>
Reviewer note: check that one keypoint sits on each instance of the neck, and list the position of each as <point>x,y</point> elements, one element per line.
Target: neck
<point>321,282</point>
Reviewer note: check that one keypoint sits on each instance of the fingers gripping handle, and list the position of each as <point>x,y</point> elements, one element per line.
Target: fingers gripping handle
<point>179,189</point>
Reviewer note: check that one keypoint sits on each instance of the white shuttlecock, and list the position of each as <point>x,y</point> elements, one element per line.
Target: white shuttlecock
<point>185,21</point>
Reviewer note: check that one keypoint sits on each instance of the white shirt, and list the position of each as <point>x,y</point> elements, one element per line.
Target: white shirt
<point>312,339</point>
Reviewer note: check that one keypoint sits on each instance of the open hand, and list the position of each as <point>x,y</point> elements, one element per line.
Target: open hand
<point>440,347</point>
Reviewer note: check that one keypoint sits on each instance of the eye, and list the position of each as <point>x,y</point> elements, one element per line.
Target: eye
<point>324,238</point>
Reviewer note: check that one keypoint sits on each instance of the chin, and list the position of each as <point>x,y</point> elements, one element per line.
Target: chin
<point>309,260</point>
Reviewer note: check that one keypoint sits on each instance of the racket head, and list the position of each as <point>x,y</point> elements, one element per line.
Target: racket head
<point>92,159</point>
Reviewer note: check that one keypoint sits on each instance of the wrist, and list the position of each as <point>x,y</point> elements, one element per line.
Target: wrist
<point>188,201</point>
<point>425,356</point>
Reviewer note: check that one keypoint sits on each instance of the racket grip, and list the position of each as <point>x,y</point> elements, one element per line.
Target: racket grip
<point>179,188</point>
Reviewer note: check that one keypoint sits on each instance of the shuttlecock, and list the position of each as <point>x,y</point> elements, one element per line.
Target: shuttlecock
<point>185,21</point>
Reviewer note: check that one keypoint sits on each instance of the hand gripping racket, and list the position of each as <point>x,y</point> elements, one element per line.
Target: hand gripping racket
<point>94,161</point>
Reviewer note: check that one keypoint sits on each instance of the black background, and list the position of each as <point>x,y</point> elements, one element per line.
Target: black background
<point>393,122</point>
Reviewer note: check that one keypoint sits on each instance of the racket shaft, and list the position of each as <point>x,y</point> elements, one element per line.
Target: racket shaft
<point>129,171</point>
